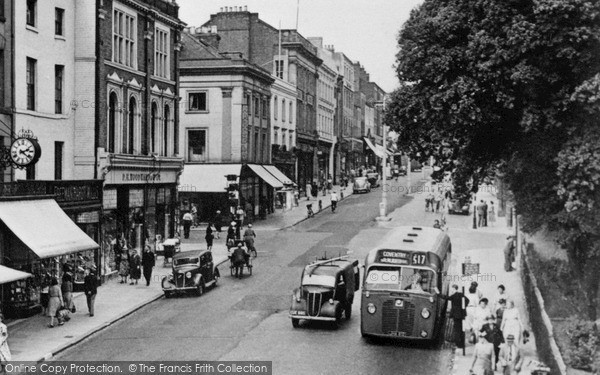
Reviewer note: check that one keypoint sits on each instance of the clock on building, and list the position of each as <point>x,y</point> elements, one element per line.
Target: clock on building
<point>25,151</point>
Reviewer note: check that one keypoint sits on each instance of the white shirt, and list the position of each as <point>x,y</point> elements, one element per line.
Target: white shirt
<point>334,197</point>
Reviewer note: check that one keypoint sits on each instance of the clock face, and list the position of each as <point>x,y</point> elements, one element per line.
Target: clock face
<point>23,151</point>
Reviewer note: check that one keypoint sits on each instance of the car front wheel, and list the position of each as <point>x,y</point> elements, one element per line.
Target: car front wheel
<point>295,322</point>
<point>200,288</point>
<point>338,318</point>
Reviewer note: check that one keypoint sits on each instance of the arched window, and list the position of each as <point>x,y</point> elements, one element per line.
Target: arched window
<point>153,125</point>
<point>166,117</point>
<point>113,103</point>
<point>131,140</point>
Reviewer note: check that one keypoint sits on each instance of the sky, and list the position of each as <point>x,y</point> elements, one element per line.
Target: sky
<point>365,30</point>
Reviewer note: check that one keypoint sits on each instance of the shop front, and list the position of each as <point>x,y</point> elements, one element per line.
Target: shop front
<point>139,206</point>
<point>38,238</point>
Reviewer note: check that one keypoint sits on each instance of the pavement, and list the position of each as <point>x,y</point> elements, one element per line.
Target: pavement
<point>483,245</point>
<point>31,340</point>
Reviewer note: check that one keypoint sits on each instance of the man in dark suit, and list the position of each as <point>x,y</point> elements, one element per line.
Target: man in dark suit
<point>493,335</point>
<point>458,312</point>
<point>485,213</point>
<point>480,213</point>
<point>148,262</point>
<point>90,288</point>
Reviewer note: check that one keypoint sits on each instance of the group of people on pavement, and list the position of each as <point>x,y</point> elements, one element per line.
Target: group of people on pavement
<point>486,214</point>
<point>494,327</point>
<point>131,265</point>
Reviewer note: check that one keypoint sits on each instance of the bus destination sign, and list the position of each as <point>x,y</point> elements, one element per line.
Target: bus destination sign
<point>394,257</point>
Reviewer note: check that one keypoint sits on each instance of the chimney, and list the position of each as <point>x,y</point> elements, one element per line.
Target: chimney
<point>221,10</point>
<point>245,8</point>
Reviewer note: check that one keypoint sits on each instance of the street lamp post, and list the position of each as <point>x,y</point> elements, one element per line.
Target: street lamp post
<point>383,205</point>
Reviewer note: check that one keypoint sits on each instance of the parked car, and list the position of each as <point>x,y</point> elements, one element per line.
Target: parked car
<point>361,185</point>
<point>373,178</point>
<point>402,171</point>
<point>460,206</point>
<point>326,291</point>
<point>193,271</point>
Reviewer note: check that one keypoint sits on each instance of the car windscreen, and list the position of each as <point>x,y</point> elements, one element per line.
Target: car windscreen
<point>409,279</point>
<point>320,280</point>
<point>183,261</point>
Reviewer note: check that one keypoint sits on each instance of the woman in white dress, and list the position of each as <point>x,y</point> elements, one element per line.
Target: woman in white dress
<point>480,315</point>
<point>473,295</point>
<point>501,295</point>
<point>511,322</point>
<point>482,357</point>
<point>5,355</point>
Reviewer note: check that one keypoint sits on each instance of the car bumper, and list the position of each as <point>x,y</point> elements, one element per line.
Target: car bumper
<point>308,317</point>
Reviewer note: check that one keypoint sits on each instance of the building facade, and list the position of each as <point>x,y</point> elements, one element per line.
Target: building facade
<point>137,116</point>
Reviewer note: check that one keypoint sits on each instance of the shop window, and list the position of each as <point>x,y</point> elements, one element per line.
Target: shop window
<point>197,151</point>
<point>197,101</point>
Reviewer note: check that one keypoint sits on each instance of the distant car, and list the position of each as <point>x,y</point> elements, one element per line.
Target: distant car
<point>361,185</point>
<point>193,271</point>
<point>459,206</point>
<point>402,171</point>
<point>373,178</point>
<point>326,291</point>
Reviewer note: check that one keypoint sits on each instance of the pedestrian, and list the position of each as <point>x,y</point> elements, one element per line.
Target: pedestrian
<point>209,236</point>
<point>187,224</point>
<point>238,258</point>
<point>500,311</point>
<point>194,213</point>
<point>44,297</point>
<point>315,189</point>
<point>429,202</point>
<point>334,201</point>
<point>231,234</point>
<point>509,253</point>
<point>493,335</point>
<point>55,301</point>
<point>445,210</point>
<point>492,214</point>
<point>485,214</point>
<point>124,267</point>
<point>218,220</point>
<point>90,288</point>
<point>239,216</point>
<point>135,267</point>
<point>482,357</point>
<point>5,355</point>
<point>500,296</point>
<point>510,357</point>
<point>436,224</point>
<point>458,312</point>
<point>511,322</point>
<point>249,211</point>
<point>480,214</point>
<point>473,295</point>
<point>329,183</point>
<point>249,237</point>
<point>308,191</point>
<point>437,200</point>
<point>67,291</point>
<point>148,261</point>
<point>480,315</point>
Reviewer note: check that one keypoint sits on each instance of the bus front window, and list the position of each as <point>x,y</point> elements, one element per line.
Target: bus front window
<point>402,278</point>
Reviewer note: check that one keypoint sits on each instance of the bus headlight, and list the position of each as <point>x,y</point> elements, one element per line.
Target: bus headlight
<point>423,334</point>
<point>297,297</point>
<point>331,301</point>
<point>367,294</point>
<point>188,275</point>
<point>425,313</point>
<point>371,308</point>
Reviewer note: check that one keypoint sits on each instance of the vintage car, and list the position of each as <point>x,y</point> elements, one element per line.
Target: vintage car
<point>459,206</point>
<point>361,185</point>
<point>193,271</point>
<point>373,178</point>
<point>326,291</point>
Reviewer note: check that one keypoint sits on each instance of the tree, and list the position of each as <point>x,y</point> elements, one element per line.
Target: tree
<point>511,86</point>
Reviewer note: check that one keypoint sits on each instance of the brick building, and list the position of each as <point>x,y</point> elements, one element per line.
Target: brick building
<point>285,51</point>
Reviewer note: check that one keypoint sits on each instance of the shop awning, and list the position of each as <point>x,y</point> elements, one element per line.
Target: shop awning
<point>44,227</point>
<point>8,274</point>
<point>278,174</point>
<point>266,176</point>
<point>377,149</point>
<point>207,178</point>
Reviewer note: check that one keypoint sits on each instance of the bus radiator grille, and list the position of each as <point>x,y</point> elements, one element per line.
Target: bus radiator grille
<point>398,319</point>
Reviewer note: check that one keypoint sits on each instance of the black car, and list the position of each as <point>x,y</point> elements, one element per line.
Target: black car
<point>326,291</point>
<point>193,271</point>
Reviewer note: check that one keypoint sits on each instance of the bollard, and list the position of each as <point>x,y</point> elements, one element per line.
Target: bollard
<point>320,205</point>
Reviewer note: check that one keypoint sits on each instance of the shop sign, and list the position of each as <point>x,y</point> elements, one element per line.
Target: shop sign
<point>125,177</point>
<point>65,192</point>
